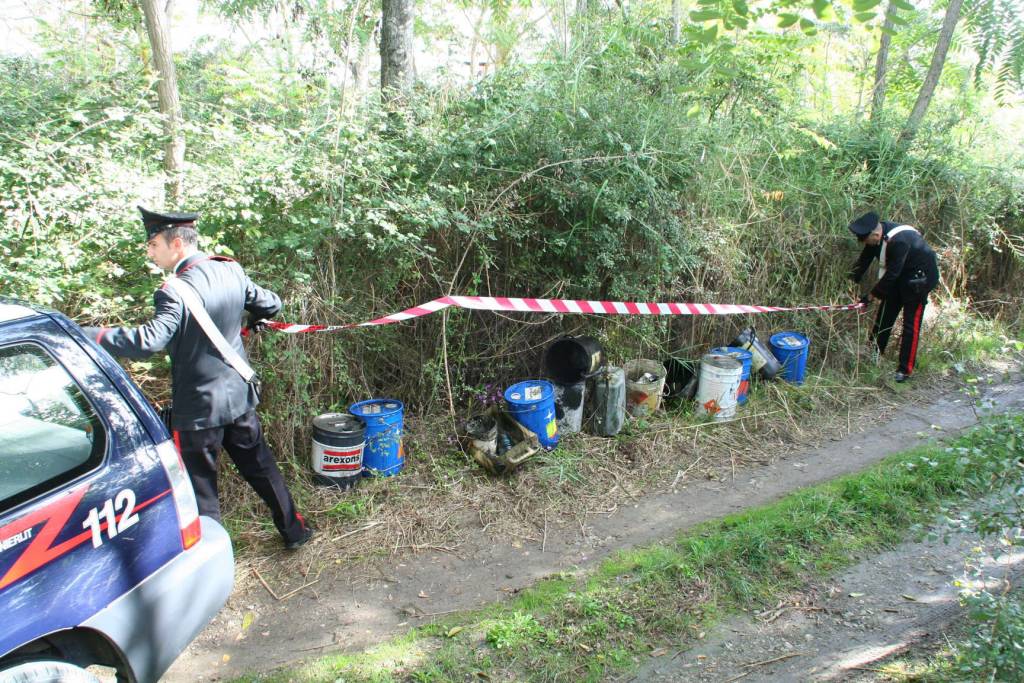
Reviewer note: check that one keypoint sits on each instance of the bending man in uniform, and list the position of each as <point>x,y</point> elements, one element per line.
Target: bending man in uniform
<point>213,406</point>
<point>907,272</point>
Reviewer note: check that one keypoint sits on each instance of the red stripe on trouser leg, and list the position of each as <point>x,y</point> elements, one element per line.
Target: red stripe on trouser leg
<point>917,335</point>
<point>177,440</point>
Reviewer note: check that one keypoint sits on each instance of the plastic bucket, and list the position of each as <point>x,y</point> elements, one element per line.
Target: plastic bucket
<point>569,406</point>
<point>645,383</point>
<point>338,443</point>
<point>746,358</point>
<point>532,404</point>
<point>384,454</point>
<point>719,380</point>
<point>573,359</point>
<point>791,348</point>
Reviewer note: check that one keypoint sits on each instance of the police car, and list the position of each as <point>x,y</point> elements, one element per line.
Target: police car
<point>105,562</point>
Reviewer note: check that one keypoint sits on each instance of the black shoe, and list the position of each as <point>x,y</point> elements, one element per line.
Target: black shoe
<point>900,377</point>
<point>303,539</point>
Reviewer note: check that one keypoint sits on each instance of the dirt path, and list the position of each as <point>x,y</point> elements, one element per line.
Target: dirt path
<point>838,630</point>
<point>256,632</point>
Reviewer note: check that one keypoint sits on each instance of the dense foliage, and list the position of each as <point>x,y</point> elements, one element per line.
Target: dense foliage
<point>626,168</point>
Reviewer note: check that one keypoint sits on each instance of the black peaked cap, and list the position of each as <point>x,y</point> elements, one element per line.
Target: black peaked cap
<point>865,225</point>
<point>156,223</point>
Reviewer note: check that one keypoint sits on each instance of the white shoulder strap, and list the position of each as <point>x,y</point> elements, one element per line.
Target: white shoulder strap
<point>885,243</point>
<point>195,306</point>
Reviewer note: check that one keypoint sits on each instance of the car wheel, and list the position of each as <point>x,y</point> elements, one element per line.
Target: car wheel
<point>46,672</point>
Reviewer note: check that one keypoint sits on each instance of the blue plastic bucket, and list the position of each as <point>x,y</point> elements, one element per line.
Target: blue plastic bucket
<point>532,404</point>
<point>383,455</point>
<point>791,349</point>
<point>746,358</point>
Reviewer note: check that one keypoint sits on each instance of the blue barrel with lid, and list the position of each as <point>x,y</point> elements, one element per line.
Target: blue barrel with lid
<point>747,359</point>
<point>532,404</point>
<point>791,348</point>
<point>384,454</point>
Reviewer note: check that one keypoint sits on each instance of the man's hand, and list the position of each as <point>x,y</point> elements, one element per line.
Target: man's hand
<point>255,326</point>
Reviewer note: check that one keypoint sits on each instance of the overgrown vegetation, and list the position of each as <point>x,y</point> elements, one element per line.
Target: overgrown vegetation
<point>626,166</point>
<point>626,169</point>
<point>593,625</point>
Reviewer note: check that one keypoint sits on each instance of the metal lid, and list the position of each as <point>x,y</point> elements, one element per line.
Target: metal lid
<point>734,351</point>
<point>338,423</point>
<point>721,361</point>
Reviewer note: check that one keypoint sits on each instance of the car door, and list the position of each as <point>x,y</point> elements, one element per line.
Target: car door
<point>86,511</point>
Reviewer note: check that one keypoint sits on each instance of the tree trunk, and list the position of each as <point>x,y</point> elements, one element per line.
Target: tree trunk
<point>677,14</point>
<point>924,98</point>
<point>168,102</point>
<point>396,49</point>
<point>881,59</point>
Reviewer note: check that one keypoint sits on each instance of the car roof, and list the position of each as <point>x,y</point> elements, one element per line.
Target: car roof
<point>10,310</point>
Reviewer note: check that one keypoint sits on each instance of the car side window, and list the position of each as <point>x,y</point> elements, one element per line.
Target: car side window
<point>49,432</point>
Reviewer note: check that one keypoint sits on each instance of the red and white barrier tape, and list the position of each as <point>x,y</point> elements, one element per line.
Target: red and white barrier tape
<point>499,303</point>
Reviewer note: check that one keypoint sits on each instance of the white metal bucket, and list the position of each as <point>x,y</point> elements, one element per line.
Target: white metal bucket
<point>719,381</point>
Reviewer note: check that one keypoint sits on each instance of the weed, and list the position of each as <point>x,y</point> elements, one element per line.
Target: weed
<point>349,510</point>
<point>515,630</point>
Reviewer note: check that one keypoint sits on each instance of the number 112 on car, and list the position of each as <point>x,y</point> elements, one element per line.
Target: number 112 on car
<point>118,514</point>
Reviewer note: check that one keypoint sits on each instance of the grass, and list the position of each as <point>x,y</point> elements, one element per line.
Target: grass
<point>590,626</point>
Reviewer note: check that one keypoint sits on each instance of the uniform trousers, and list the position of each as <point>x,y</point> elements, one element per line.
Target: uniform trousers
<point>244,442</point>
<point>913,314</point>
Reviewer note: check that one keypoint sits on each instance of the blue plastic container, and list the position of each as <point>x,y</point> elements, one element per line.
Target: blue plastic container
<point>384,455</point>
<point>532,404</point>
<point>791,348</point>
<point>746,358</point>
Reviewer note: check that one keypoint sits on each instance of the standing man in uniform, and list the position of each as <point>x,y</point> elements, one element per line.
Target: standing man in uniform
<point>907,271</point>
<point>212,405</point>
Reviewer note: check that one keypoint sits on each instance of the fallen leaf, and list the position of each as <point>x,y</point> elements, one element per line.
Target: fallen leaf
<point>660,652</point>
<point>856,595</point>
<point>423,594</point>
<point>584,647</point>
<point>454,632</point>
<point>226,658</point>
<point>909,597</point>
<point>481,674</point>
<point>247,620</point>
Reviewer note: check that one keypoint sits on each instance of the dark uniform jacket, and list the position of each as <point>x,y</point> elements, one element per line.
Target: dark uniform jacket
<point>911,267</point>
<point>207,392</point>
